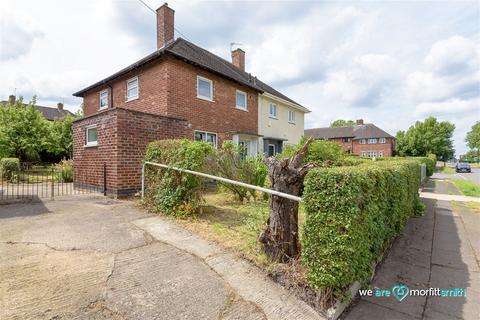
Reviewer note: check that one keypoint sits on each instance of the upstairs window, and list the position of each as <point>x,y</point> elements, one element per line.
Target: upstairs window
<point>132,89</point>
<point>372,141</point>
<point>204,88</point>
<point>363,141</point>
<point>381,140</point>
<point>272,113</point>
<point>104,99</point>
<point>346,139</point>
<point>291,116</point>
<point>241,100</point>
<point>91,136</point>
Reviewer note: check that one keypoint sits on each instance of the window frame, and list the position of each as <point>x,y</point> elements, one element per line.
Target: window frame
<point>100,100</point>
<point>372,141</point>
<point>206,134</point>
<point>270,115</point>
<point>90,143</point>
<point>128,99</point>
<point>246,100</point>
<point>363,141</point>
<point>291,112</point>
<point>199,96</point>
<point>382,140</point>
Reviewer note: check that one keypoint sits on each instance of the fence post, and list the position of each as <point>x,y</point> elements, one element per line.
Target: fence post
<point>53,187</point>
<point>143,180</point>
<point>105,179</point>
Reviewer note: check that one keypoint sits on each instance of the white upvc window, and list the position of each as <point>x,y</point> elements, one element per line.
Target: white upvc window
<point>372,140</point>
<point>204,88</point>
<point>363,141</point>
<point>272,112</point>
<point>103,99</point>
<point>132,89</point>
<point>381,140</point>
<point>209,137</point>
<point>241,100</point>
<point>291,116</point>
<point>91,136</point>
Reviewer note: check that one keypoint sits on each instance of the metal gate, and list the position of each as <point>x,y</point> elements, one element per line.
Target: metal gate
<point>46,181</point>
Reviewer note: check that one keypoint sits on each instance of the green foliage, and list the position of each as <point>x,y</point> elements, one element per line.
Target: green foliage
<point>173,192</point>
<point>320,152</point>
<point>342,123</point>
<point>467,187</point>
<point>473,138</point>
<point>64,171</point>
<point>429,161</point>
<point>227,162</point>
<point>351,216</point>
<point>60,140</point>
<point>427,137</point>
<point>9,168</point>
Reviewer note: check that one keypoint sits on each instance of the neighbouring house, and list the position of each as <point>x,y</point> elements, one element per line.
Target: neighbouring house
<point>363,139</point>
<point>49,113</point>
<point>178,91</point>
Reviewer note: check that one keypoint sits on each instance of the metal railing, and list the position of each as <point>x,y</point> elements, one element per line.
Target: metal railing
<point>225,180</point>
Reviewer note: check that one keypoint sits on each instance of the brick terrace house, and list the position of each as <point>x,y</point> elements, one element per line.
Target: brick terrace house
<point>178,91</point>
<point>363,139</point>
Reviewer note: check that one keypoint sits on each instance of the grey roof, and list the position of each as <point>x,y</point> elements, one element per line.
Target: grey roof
<point>199,57</point>
<point>50,113</point>
<point>363,131</point>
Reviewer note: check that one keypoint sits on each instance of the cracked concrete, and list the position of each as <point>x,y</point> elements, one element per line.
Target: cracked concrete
<point>90,258</point>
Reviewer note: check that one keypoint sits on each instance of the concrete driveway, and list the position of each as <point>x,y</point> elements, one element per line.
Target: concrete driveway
<point>91,258</point>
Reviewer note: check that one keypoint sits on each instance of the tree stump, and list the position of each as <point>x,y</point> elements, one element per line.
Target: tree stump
<point>280,238</point>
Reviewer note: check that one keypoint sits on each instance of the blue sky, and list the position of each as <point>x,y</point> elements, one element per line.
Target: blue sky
<point>388,62</point>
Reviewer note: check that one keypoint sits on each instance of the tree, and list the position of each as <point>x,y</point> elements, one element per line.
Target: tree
<point>60,140</point>
<point>280,237</point>
<point>342,123</point>
<point>473,138</point>
<point>23,131</point>
<point>423,138</point>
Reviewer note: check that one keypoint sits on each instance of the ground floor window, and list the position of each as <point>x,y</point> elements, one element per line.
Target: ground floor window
<point>272,150</point>
<point>372,154</point>
<point>207,137</point>
<point>91,135</point>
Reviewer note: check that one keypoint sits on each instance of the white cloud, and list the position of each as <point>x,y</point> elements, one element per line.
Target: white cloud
<point>453,106</point>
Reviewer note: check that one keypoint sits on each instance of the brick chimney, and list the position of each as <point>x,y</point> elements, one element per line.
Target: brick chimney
<point>359,121</point>
<point>165,25</point>
<point>60,106</point>
<point>238,58</point>
<point>11,99</point>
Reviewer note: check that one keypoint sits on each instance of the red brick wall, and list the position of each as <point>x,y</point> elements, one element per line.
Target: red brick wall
<point>168,87</point>
<point>356,148</point>
<point>122,139</point>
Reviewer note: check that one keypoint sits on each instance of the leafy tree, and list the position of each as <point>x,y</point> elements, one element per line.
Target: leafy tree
<point>473,138</point>
<point>60,140</point>
<point>423,138</point>
<point>342,123</point>
<point>23,131</point>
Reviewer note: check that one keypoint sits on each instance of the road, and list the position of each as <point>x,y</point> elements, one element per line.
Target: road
<point>474,176</point>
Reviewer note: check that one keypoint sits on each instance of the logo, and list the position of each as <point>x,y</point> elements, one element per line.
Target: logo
<point>400,291</point>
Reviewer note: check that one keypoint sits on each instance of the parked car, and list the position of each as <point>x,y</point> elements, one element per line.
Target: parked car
<point>463,167</point>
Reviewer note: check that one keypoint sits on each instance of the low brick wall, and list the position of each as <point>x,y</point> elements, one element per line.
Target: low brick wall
<point>122,136</point>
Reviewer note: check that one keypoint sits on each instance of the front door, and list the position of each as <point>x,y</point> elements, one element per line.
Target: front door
<point>271,150</point>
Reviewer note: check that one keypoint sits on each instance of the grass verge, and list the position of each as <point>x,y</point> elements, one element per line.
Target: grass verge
<point>467,187</point>
<point>447,170</point>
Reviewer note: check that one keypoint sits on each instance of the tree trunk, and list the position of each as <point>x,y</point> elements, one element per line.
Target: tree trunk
<point>280,238</point>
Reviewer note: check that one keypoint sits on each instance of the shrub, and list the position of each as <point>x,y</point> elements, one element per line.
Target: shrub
<point>321,152</point>
<point>229,163</point>
<point>170,191</point>
<point>64,171</point>
<point>9,168</point>
<point>351,216</point>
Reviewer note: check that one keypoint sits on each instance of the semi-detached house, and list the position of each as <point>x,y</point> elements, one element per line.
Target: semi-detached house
<point>178,91</point>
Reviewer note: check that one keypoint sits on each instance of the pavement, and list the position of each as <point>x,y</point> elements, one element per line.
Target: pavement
<point>87,257</point>
<point>440,249</point>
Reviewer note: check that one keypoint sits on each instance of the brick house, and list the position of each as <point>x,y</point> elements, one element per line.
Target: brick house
<point>178,91</point>
<point>363,139</point>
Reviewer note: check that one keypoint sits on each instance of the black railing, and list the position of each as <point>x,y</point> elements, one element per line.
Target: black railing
<point>48,182</point>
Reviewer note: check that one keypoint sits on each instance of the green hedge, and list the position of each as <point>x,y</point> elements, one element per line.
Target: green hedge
<point>351,215</point>
<point>9,168</point>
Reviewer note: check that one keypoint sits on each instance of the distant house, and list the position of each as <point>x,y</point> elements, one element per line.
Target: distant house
<point>50,113</point>
<point>363,139</point>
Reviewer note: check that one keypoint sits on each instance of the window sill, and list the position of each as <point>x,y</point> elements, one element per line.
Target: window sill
<point>205,98</point>
<point>131,99</point>
<point>92,145</point>
<point>274,118</point>
<point>103,109</point>
<point>292,122</point>
<point>241,109</point>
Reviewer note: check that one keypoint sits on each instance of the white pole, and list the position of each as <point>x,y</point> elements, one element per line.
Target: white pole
<point>238,183</point>
<point>143,180</point>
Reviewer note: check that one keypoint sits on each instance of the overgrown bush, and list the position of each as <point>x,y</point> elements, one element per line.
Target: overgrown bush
<point>170,191</point>
<point>351,216</point>
<point>321,152</point>
<point>64,171</point>
<point>227,162</point>
<point>9,168</point>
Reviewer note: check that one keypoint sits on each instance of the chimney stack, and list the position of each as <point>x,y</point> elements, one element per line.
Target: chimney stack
<point>238,58</point>
<point>60,106</point>
<point>165,25</point>
<point>359,121</point>
<point>11,99</point>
